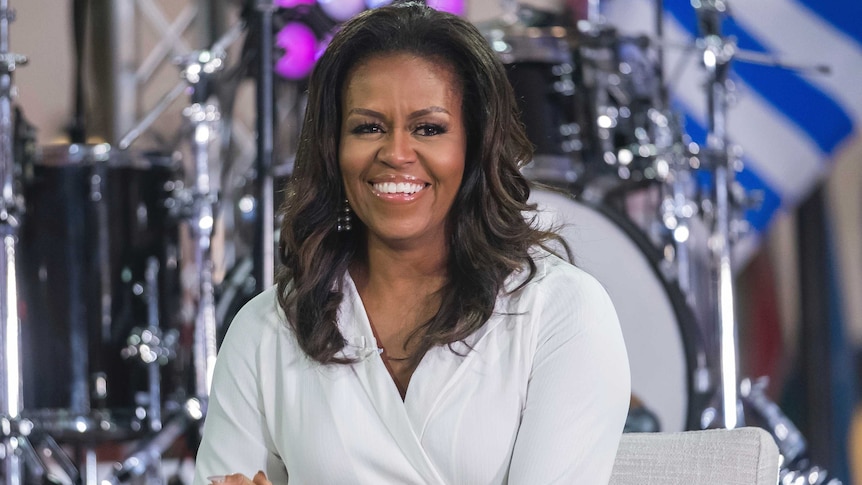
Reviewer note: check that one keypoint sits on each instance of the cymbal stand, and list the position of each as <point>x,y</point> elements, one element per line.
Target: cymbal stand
<point>717,54</point>
<point>198,205</point>
<point>174,93</point>
<point>677,209</point>
<point>14,431</point>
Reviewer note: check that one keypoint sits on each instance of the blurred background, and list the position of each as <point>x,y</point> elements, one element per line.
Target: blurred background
<point>710,151</point>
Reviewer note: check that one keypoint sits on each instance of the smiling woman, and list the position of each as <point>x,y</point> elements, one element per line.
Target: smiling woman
<point>421,331</point>
<point>402,150</point>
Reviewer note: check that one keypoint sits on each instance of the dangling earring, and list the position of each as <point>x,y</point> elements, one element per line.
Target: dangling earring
<point>343,220</point>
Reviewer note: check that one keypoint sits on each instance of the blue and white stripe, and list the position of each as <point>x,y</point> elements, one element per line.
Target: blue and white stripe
<point>790,124</point>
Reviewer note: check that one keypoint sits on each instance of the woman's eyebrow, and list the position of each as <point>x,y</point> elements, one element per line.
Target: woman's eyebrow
<point>416,114</point>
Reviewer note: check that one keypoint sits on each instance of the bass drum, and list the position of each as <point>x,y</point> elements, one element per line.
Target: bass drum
<point>665,348</point>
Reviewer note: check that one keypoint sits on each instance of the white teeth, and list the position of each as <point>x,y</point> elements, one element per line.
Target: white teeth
<point>398,188</point>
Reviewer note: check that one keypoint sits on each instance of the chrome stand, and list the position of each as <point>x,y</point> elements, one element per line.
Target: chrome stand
<point>14,435</point>
<point>717,54</point>
<point>199,207</point>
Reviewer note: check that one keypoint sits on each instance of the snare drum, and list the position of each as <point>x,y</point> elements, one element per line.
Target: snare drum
<point>669,364</point>
<point>95,221</point>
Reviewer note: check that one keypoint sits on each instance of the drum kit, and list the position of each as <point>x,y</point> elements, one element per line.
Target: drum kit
<point>96,347</point>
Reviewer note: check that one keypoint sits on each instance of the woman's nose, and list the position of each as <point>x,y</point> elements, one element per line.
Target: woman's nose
<point>397,149</point>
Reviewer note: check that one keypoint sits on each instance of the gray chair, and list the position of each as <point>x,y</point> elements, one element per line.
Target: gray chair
<point>743,456</point>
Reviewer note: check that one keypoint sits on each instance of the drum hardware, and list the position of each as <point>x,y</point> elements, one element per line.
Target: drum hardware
<point>621,84</point>
<point>44,458</point>
<point>717,54</point>
<point>796,467</point>
<point>209,64</point>
<point>672,167</point>
<point>145,460</point>
<point>152,347</point>
<point>14,441</point>
<point>722,208</point>
<point>198,206</point>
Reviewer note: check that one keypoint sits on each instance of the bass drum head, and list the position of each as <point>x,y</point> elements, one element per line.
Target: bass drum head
<point>658,327</point>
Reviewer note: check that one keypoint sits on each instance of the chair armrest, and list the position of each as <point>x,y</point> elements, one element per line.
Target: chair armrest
<point>744,456</point>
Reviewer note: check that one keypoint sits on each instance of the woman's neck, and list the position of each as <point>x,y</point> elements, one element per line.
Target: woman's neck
<point>401,269</point>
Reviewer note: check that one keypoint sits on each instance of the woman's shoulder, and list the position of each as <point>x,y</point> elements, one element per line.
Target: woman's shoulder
<point>562,289</point>
<point>260,318</point>
<point>554,273</point>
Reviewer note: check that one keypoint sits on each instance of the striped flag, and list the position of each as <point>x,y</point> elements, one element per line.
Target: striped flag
<point>789,123</point>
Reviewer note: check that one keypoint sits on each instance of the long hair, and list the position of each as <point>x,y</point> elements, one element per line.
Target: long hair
<point>488,235</point>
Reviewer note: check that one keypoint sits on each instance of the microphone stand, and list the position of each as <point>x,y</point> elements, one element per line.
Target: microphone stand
<point>14,430</point>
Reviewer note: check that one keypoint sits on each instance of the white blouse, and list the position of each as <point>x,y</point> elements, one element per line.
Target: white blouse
<point>541,398</point>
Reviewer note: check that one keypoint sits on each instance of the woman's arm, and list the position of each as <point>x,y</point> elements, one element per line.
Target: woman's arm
<point>235,437</point>
<point>579,389</point>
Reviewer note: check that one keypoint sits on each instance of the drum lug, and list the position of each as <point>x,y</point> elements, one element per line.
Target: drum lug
<point>96,188</point>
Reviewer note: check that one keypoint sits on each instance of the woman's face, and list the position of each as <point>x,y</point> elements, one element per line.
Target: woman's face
<point>402,150</point>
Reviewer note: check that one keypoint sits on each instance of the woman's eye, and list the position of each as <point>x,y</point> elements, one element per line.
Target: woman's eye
<point>430,130</point>
<point>367,128</point>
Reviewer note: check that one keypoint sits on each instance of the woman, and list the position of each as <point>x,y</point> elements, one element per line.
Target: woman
<point>420,330</point>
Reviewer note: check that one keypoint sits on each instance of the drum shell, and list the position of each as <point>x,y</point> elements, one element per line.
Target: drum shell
<point>542,71</point>
<point>93,221</point>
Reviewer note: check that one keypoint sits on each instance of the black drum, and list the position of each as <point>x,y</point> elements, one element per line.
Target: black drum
<point>541,68</point>
<point>588,101</point>
<point>98,254</point>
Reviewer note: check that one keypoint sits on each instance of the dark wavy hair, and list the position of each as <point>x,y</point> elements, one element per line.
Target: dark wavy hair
<point>488,234</point>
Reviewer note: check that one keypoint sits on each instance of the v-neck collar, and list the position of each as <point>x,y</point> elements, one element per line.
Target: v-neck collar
<point>379,385</point>
<point>436,373</point>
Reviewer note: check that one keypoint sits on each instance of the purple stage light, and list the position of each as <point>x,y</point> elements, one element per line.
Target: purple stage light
<point>451,6</point>
<point>292,3</point>
<point>341,10</point>
<point>300,46</point>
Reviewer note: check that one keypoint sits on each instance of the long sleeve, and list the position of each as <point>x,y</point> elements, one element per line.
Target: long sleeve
<point>579,387</point>
<point>235,437</point>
